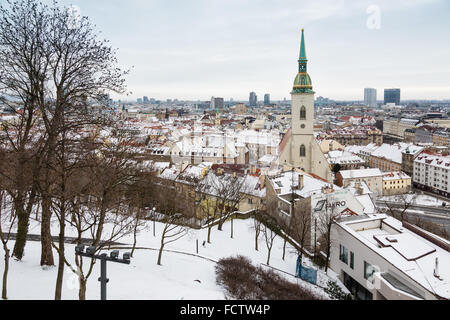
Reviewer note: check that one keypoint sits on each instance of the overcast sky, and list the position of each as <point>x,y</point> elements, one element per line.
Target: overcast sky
<point>195,49</point>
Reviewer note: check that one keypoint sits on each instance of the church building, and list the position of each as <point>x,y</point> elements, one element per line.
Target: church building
<point>299,149</point>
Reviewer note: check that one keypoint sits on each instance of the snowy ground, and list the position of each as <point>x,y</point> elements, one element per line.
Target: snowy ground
<point>143,278</point>
<point>421,200</point>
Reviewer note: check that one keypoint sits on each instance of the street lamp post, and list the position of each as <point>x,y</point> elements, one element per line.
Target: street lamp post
<point>114,257</point>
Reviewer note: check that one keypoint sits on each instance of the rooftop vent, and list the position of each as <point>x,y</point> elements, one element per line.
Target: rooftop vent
<point>390,239</point>
<point>436,269</point>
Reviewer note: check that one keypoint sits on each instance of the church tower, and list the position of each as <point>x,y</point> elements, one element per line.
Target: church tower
<point>299,149</point>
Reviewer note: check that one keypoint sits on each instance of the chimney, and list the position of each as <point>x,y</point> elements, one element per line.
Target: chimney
<point>300,182</point>
<point>359,188</point>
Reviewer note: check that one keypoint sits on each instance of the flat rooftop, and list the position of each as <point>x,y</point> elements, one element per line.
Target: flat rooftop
<point>412,254</point>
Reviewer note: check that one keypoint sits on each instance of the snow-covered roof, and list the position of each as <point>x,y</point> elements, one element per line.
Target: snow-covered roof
<point>367,203</point>
<point>283,183</point>
<point>169,174</point>
<point>343,157</point>
<point>395,176</point>
<point>434,160</point>
<point>394,152</point>
<point>360,173</point>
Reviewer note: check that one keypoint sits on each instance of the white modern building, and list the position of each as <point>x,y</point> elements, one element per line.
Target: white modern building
<point>378,257</point>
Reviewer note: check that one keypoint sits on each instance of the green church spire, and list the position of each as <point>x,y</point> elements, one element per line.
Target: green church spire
<point>302,82</point>
<point>303,48</point>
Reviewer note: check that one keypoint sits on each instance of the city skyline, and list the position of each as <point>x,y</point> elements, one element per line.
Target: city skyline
<point>198,49</point>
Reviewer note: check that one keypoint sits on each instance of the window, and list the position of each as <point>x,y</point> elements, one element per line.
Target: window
<point>343,254</point>
<point>303,151</point>
<point>303,113</point>
<point>250,201</point>
<point>352,260</point>
<point>369,270</point>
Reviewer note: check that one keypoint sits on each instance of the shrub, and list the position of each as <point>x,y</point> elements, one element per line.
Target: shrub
<point>335,292</point>
<point>243,281</point>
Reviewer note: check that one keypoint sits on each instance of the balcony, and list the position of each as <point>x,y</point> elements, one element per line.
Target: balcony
<point>389,287</point>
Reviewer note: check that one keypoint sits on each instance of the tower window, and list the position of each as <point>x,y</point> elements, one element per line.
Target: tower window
<point>303,151</point>
<point>303,113</point>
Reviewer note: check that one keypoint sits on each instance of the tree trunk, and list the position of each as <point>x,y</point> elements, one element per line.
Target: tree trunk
<point>231,228</point>
<point>209,233</point>
<point>160,255</point>
<point>268,255</point>
<point>82,290</point>
<point>134,240</point>
<point>256,240</point>
<point>301,255</point>
<point>328,255</point>
<point>284,248</point>
<point>5,274</point>
<point>46,239</point>
<point>61,258</point>
<point>22,229</point>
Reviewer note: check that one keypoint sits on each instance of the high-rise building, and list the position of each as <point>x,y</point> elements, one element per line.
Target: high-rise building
<point>266,99</point>
<point>299,148</point>
<point>370,97</point>
<point>139,100</point>
<point>392,96</point>
<point>146,101</point>
<point>216,103</point>
<point>253,99</point>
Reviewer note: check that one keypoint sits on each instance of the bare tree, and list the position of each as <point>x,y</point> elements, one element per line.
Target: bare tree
<point>398,206</point>
<point>8,219</point>
<point>169,205</point>
<point>99,211</point>
<point>22,72</point>
<point>325,222</point>
<point>300,228</point>
<point>68,184</point>
<point>137,197</point>
<point>173,230</point>
<point>256,227</point>
<point>220,195</point>
<point>269,228</point>
<point>60,65</point>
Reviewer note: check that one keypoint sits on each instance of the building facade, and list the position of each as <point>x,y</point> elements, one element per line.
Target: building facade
<point>370,97</point>
<point>372,177</point>
<point>432,173</point>
<point>395,183</point>
<point>267,99</point>
<point>253,99</point>
<point>381,258</point>
<point>392,96</point>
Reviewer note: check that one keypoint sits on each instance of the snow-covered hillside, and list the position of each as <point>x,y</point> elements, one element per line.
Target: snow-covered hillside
<point>183,274</point>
